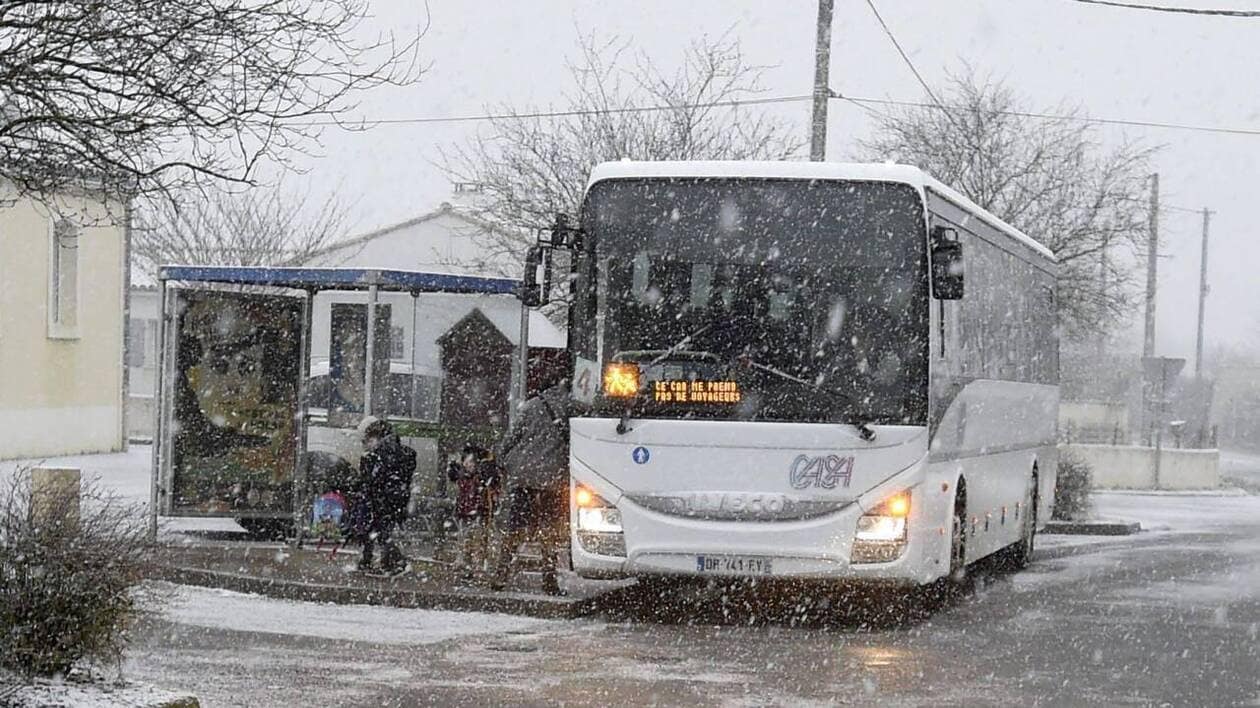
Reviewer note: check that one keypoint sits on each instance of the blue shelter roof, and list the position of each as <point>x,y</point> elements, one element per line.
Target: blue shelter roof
<point>340,279</point>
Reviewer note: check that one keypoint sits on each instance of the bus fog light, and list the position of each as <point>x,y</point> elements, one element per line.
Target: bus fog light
<point>877,551</point>
<point>603,544</point>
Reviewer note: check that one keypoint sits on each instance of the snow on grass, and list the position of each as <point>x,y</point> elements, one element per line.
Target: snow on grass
<point>223,609</point>
<point>84,694</point>
<point>1179,513</point>
<point>126,474</point>
<point>1166,517</point>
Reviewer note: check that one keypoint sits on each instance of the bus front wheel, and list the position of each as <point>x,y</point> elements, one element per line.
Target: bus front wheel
<point>958,537</point>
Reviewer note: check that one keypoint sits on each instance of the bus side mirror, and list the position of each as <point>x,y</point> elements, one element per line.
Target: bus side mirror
<point>947,264</point>
<point>532,294</point>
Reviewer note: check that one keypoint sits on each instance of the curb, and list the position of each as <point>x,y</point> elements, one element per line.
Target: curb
<point>1217,492</point>
<point>508,603</point>
<point>1092,528</point>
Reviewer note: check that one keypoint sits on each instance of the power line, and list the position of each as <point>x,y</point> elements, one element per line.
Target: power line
<point>861,103</point>
<point>1180,10</point>
<point>733,103</point>
<point>902,52</point>
<point>1052,116</point>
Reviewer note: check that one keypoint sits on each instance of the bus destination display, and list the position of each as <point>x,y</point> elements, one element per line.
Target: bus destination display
<point>674,391</point>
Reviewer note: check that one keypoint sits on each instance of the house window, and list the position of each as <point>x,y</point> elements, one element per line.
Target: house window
<point>151,339</point>
<point>397,343</point>
<point>137,343</point>
<point>63,281</point>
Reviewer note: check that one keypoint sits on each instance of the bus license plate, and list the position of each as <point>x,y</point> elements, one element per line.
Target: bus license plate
<point>734,565</point>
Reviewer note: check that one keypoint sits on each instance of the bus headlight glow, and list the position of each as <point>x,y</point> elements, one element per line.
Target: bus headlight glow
<point>880,536</point>
<point>598,524</point>
<point>600,520</point>
<point>621,379</point>
<point>881,528</point>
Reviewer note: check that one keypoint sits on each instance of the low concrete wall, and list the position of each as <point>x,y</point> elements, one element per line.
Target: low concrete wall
<point>1131,467</point>
<point>140,417</point>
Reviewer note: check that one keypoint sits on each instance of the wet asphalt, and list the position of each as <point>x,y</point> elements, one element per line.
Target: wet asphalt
<point>1163,618</point>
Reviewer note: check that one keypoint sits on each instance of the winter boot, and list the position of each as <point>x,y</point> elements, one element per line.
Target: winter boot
<point>550,585</point>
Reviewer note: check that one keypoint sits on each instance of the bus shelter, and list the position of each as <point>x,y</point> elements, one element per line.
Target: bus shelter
<point>236,376</point>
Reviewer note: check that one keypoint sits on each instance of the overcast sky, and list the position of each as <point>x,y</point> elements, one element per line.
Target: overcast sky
<point>1114,63</point>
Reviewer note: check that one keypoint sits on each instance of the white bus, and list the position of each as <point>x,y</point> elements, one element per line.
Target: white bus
<point>805,370</point>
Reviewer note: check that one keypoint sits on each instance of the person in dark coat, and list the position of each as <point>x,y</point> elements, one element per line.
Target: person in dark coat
<point>535,455</point>
<point>381,494</point>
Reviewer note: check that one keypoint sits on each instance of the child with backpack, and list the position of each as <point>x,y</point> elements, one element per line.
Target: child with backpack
<point>478,478</point>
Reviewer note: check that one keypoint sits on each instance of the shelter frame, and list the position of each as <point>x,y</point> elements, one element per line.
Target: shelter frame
<point>309,281</point>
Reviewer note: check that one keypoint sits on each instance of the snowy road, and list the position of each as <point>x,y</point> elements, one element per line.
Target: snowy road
<point>1168,617</point>
<point>1241,468</point>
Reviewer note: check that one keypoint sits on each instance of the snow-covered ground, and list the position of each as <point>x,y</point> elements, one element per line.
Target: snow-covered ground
<point>1241,468</point>
<point>236,649</point>
<point>126,474</point>
<point>1154,618</point>
<point>238,612</point>
<point>1181,513</point>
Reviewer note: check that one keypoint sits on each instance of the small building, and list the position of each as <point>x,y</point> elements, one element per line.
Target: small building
<point>448,239</point>
<point>63,298</point>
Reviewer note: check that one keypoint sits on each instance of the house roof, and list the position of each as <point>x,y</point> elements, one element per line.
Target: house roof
<point>444,209</point>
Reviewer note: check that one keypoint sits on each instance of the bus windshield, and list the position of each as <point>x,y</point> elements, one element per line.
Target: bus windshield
<point>785,300</point>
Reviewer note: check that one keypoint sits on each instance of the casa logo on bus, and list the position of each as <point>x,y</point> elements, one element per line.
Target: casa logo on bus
<point>677,391</point>
<point>821,472</point>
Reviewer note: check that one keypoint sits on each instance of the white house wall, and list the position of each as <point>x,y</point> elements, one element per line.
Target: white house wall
<point>59,396</point>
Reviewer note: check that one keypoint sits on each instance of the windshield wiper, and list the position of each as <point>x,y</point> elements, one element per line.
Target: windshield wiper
<point>865,431</point>
<point>678,346</point>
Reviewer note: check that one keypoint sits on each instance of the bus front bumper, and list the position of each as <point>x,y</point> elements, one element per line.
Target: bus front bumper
<point>819,548</point>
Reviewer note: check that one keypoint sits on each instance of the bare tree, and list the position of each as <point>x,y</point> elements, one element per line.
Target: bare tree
<point>140,96</point>
<point>254,227</point>
<point>1051,178</point>
<point>531,168</point>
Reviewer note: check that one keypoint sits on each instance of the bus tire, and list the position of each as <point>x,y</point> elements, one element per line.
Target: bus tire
<point>958,537</point>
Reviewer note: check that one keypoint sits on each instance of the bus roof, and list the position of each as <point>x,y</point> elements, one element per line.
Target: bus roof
<point>869,172</point>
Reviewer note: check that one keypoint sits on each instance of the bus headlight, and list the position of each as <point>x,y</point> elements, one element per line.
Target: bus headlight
<point>600,520</point>
<point>881,533</point>
<point>598,524</point>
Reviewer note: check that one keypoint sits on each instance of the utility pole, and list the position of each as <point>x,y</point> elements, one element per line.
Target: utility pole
<point>1148,343</point>
<point>822,87</point>
<point>1203,292</point>
<point>1103,265</point>
<point>1152,267</point>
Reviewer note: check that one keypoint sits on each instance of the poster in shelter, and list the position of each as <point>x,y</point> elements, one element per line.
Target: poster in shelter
<point>236,375</point>
<point>347,362</point>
